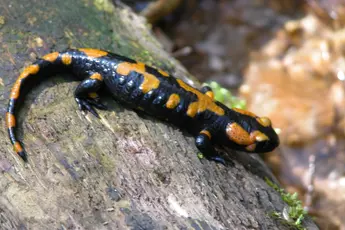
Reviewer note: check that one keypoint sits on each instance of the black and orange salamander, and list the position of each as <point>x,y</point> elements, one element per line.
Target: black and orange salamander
<point>151,90</point>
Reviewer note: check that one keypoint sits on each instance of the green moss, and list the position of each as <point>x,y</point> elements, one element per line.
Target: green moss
<point>104,5</point>
<point>2,21</point>
<point>200,155</point>
<point>295,214</point>
<point>224,96</point>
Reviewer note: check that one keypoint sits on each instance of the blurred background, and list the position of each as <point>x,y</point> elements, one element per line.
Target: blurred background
<point>283,59</point>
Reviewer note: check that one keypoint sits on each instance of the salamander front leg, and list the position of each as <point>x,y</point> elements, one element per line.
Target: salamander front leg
<point>85,94</point>
<point>204,144</point>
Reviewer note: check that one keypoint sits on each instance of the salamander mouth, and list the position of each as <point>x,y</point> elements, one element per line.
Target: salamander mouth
<point>272,144</point>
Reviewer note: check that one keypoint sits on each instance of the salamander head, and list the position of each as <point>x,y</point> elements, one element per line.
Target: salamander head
<point>247,132</point>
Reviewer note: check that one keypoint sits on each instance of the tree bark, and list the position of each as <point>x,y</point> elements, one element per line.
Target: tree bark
<point>123,171</point>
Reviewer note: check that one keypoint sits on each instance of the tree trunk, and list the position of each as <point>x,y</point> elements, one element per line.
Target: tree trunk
<point>123,171</point>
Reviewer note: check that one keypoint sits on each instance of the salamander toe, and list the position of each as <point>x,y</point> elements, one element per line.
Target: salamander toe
<point>84,105</point>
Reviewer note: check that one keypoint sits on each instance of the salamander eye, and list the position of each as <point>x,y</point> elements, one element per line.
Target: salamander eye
<point>264,121</point>
<point>259,136</point>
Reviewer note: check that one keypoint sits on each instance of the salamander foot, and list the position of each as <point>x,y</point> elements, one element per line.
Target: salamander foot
<point>85,105</point>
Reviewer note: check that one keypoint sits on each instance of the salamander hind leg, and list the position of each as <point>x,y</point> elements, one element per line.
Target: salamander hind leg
<point>204,144</point>
<point>86,96</point>
<point>207,91</point>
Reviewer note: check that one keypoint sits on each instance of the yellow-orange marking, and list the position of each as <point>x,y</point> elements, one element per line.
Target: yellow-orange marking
<point>259,136</point>
<point>210,94</point>
<point>96,76</point>
<point>240,136</point>
<point>15,90</point>
<point>17,147</point>
<point>93,95</point>
<point>93,52</point>
<point>207,133</point>
<point>165,74</point>
<point>51,57</point>
<point>66,59</point>
<point>150,81</point>
<point>203,103</point>
<point>10,120</point>
<point>264,121</point>
<point>173,101</point>
<point>244,112</point>
<point>32,69</point>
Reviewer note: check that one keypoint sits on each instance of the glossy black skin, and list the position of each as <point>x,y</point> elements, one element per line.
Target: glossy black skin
<point>126,90</point>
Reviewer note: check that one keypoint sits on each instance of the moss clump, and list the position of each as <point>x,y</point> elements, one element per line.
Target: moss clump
<point>295,213</point>
<point>224,96</point>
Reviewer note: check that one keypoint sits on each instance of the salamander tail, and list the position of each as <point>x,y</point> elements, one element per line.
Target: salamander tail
<point>17,147</point>
<point>48,65</point>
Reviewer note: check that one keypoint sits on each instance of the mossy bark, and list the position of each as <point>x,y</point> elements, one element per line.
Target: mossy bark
<point>123,171</point>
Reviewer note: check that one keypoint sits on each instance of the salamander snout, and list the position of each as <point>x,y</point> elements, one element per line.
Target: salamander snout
<point>269,142</point>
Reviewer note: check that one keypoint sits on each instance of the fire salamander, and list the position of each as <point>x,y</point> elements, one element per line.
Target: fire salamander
<point>154,91</point>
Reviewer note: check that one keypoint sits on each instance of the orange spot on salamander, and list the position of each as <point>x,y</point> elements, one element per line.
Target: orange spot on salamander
<point>96,76</point>
<point>259,136</point>
<point>240,136</point>
<point>150,81</point>
<point>10,120</point>
<point>165,74</point>
<point>210,94</point>
<point>93,52</point>
<point>173,101</point>
<point>207,133</point>
<point>264,121</point>
<point>17,147</point>
<point>93,95</point>
<point>244,112</point>
<point>15,90</point>
<point>30,70</point>
<point>66,59</point>
<point>203,103</point>
<point>51,57</point>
